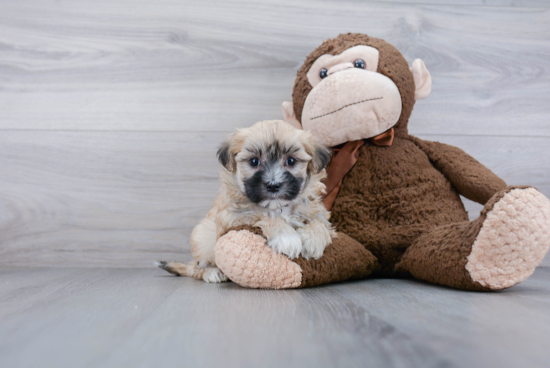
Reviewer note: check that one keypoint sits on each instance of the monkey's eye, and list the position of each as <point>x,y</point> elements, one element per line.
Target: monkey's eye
<point>254,162</point>
<point>291,161</point>
<point>323,73</point>
<point>359,63</point>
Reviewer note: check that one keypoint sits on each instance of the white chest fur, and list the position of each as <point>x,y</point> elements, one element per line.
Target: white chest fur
<point>281,211</point>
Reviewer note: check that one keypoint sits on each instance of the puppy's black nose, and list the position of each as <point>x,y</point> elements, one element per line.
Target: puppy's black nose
<point>273,188</point>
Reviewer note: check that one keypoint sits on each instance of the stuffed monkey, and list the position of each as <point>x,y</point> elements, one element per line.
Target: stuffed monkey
<point>394,198</point>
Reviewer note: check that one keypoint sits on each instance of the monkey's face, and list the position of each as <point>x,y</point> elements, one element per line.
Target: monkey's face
<point>350,98</point>
<point>355,87</point>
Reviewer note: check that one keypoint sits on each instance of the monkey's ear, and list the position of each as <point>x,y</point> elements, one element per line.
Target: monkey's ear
<point>422,80</point>
<point>289,116</point>
<point>225,157</point>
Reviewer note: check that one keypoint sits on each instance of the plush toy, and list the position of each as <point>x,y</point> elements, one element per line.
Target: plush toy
<point>394,198</point>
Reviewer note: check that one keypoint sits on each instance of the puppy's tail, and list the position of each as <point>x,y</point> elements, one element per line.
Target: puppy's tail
<point>190,269</point>
<point>176,268</point>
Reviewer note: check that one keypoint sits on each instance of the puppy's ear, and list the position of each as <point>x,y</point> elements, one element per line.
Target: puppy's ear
<point>225,156</point>
<point>320,155</point>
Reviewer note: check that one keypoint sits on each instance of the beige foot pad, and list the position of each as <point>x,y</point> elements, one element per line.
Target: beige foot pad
<point>513,240</point>
<point>246,259</point>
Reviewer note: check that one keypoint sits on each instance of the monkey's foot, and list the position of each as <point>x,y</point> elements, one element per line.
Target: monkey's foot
<point>513,240</point>
<point>246,259</point>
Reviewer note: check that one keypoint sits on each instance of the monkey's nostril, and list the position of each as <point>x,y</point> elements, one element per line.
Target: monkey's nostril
<point>273,188</point>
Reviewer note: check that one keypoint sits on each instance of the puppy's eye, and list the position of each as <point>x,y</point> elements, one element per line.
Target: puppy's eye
<point>290,161</point>
<point>323,73</point>
<point>254,162</point>
<point>359,63</point>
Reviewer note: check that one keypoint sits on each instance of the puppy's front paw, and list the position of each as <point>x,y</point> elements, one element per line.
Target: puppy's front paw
<point>315,238</point>
<point>286,241</point>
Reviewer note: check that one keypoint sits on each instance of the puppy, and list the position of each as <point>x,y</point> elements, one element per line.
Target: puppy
<point>271,179</point>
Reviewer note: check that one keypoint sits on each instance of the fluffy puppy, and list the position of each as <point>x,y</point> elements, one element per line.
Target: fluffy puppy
<point>271,179</point>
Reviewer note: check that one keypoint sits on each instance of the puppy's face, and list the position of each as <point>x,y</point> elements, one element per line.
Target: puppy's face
<point>272,161</point>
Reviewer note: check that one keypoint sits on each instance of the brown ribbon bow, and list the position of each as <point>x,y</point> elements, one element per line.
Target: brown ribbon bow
<point>345,159</point>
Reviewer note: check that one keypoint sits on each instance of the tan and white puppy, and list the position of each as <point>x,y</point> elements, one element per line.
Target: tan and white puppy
<point>271,179</point>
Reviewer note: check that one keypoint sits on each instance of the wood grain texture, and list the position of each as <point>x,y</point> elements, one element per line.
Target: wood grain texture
<point>217,65</point>
<point>111,111</point>
<point>102,197</point>
<point>124,199</point>
<point>146,318</point>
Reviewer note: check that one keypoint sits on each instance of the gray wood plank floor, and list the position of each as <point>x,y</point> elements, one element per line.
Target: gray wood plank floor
<point>76,317</point>
<point>111,110</point>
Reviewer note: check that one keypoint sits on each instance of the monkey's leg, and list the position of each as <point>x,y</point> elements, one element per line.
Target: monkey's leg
<point>498,250</point>
<point>243,255</point>
<point>192,269</point>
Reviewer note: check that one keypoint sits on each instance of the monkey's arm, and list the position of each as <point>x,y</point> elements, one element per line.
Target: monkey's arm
<point>473,180</point>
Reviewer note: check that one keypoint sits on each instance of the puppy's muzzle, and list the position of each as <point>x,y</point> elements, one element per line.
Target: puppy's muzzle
<point>273,187</point>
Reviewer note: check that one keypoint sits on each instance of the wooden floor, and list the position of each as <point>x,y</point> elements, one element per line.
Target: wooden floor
<point>66,317</point>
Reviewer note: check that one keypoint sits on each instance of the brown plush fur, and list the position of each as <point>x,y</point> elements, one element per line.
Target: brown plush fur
<point>470,178</point>
<point>395,194</point>
<point>345,259</point>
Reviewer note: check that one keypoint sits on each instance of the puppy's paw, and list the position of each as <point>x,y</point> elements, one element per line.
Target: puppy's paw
<point>214,275</point>
<point>286,241</point>
<point>315,238</point>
